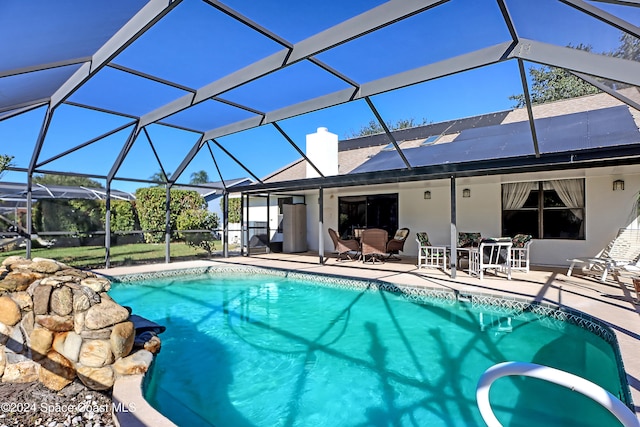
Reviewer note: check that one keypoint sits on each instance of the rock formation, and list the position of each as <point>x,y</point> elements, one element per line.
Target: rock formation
<point>58,322</point>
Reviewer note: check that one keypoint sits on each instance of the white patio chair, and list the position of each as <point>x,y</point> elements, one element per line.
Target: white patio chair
<point>520,252</point>
<point>622,251</point>
<point>430,256</point>
<point>492,253</point>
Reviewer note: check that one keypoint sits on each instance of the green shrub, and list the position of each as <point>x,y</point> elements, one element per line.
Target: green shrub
<point>198,219</point>
<point>151,207</point>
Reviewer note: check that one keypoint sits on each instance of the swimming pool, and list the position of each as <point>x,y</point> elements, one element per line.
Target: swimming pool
<point>270,350</point>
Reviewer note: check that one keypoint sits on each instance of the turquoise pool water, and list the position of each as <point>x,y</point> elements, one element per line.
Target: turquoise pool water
<point>270,351</point>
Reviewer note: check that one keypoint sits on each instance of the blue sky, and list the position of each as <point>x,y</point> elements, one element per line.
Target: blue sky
<point>195,45</point>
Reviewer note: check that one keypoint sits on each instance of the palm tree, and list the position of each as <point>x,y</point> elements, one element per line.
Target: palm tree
<point>199,177</point>
<point>159,176</point>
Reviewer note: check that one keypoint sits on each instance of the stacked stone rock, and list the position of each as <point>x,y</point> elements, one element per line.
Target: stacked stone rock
<point>58,322</point>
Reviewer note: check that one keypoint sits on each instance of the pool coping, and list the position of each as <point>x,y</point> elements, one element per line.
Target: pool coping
<point>130,390</point>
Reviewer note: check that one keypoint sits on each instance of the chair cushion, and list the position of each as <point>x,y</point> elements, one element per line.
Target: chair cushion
<point>401,234</point>
<point>466,240</point>
<point>519,240</point>
<point>423,238</point>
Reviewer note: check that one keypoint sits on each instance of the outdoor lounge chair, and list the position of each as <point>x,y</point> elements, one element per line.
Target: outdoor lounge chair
<point>395,245</point>
<point>429,255</point>
<point>622,251</point>
<point>344,246</point>
<point>492,253</point>
<point>374,244</point>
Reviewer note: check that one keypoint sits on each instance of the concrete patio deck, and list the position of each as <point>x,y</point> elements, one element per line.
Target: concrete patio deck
<point>613,302</point>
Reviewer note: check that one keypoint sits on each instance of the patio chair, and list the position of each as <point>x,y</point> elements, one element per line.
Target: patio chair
<point>395,245</point>
<point>466,241</point>
<point>492,253</point>
<point>520,252</point>
<point>344,246</point>
<point>622,251</point>
<point>374,244</point>
<point>429,255</point>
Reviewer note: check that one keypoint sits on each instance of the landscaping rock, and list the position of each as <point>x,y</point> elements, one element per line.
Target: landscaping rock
<point>137,363</point>
<point>56,372</point>
<point>5,333</point>
<point>55,323</point>
<point>9,311</point>
<point>80,300</point>
<point>61,301</point>
<point>41,295</point>
<point>105,314</point>
<point>40,340</point>
<point>96,378</point>
<point>65,325</point>
<point>98,284</point>
<point>21,372</point>
<point>44,265</point>
<point>68,344</point>
<point>95,353</point>
<point>23,299</point>
<point>122,338</point>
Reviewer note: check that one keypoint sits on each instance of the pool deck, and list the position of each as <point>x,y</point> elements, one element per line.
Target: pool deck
<point>614,302</point>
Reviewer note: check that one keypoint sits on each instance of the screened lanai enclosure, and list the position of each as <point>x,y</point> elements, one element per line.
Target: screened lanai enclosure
<point>144,93</point>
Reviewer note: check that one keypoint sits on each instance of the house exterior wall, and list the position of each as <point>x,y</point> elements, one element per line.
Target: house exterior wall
<point>606,211</point>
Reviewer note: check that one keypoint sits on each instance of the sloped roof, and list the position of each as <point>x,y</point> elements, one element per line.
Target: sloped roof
<point>574,124</point>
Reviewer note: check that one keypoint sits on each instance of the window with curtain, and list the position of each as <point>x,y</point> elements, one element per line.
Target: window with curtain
<point>545,209</point>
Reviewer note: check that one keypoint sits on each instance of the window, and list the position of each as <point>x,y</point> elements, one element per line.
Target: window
<point>374,211</point>
<point>430,140</point>
<point>544,209</point>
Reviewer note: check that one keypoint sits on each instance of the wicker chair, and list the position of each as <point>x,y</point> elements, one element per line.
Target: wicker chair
<point>395,245</point>
<point>344,246</point>
<point>374,244</point>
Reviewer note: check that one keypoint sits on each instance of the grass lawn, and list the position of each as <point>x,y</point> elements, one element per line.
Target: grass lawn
<point>131,254</point>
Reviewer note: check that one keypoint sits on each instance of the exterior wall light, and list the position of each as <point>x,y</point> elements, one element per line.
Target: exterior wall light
<point>466,193</point>
<point>427,195</point>
<point>618,184</point>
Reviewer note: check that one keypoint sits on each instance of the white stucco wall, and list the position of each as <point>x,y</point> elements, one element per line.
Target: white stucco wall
<point>606,211</point>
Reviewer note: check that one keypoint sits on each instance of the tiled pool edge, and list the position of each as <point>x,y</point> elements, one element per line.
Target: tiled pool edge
<point>498,304</point>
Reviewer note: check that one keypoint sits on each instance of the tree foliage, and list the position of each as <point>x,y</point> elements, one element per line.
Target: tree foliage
<point>123,215</point>
<point>553,84</point>
<point>159,177</point>
<point>374,127</point>
<point>235,205</point>
<point>71,181</point>
<point>151,206</point>
<point>198,219</point>
<point>200,177</point>
<point>5,162</point>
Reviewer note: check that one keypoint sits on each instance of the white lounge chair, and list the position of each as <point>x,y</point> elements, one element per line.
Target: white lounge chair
<point>622,251</point>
